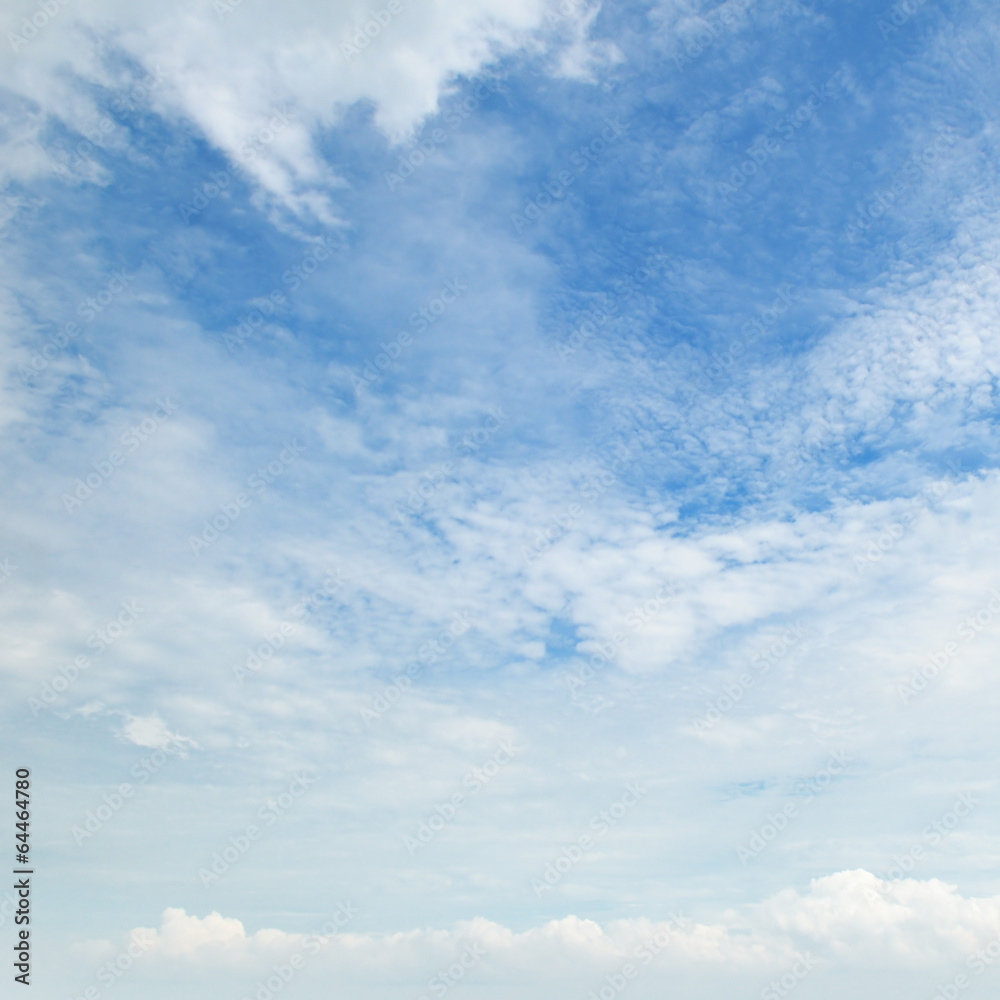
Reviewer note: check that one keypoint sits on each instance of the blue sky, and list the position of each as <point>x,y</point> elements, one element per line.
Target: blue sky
<point>535,404</point>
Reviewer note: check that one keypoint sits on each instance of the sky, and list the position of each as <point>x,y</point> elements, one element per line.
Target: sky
<point>500,498</point>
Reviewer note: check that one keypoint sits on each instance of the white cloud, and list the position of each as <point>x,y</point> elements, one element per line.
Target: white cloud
<point>182,936</point>
<point>856,918</point>
<point>150,731</point>
<point>232,68</point>
<point>849,919</point>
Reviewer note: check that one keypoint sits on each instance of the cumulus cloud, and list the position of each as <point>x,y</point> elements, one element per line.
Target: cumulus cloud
<point>849,919</point>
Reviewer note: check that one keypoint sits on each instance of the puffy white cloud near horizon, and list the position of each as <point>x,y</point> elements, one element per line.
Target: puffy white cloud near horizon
<point>849,918</point>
